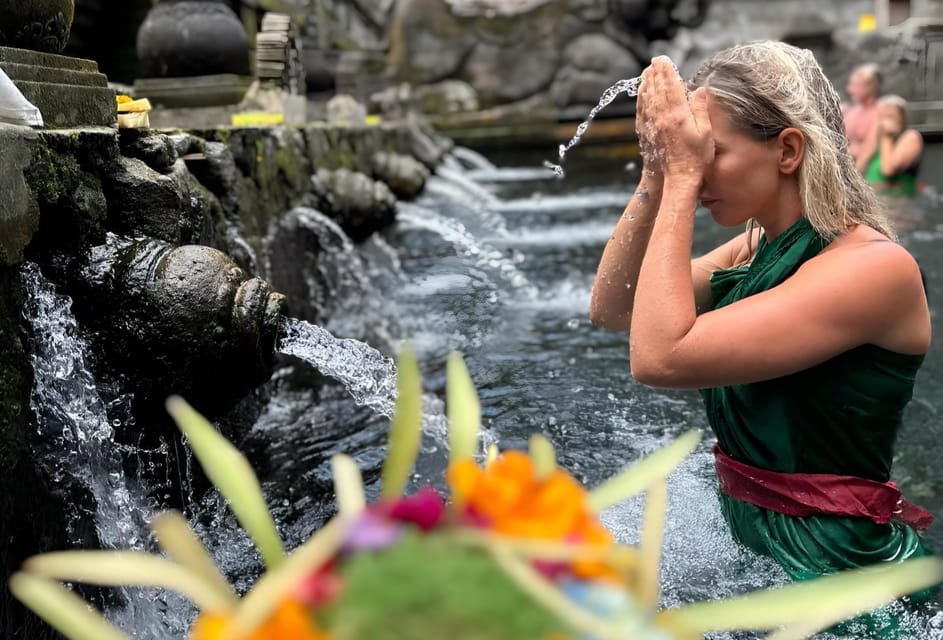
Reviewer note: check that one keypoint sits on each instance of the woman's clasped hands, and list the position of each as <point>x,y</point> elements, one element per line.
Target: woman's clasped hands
<point>673,125</point>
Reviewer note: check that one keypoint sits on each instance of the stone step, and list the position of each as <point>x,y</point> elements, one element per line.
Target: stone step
<point>69,92</point>
<point>70,105</point>
<point>49,60</point>
<point>31,72</point>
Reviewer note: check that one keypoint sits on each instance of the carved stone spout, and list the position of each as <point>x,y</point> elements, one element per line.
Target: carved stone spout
<point>181,320</point>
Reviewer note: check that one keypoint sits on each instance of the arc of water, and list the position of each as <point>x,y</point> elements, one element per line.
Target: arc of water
<point>628,86</point>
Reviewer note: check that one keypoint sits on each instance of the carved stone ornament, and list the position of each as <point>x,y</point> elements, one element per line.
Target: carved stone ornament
<point>40,25</point>
<point>182,38</point>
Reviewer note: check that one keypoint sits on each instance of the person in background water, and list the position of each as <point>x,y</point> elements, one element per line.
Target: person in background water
<point>804,333</point>
<point>894,166</point>
<point>860,117</point>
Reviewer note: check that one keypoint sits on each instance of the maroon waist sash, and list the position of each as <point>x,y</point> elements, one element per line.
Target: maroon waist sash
<point>813,494</point>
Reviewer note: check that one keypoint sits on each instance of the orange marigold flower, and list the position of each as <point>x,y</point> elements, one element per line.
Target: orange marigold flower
<point>514,501</point>
<point>291,621</point>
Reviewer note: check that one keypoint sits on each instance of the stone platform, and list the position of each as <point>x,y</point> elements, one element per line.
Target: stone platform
<point>69,92</point>
<point>193,92</point>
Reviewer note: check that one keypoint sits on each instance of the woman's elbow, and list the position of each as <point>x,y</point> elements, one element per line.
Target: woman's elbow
<point>645,371</point>
<point>652,371</point>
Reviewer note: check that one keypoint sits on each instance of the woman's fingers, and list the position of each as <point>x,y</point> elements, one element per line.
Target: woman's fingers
<point>698,103</point>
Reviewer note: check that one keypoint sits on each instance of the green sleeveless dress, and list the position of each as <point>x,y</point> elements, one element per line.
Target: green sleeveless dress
<point>903,184</point>
<point>839,417</point>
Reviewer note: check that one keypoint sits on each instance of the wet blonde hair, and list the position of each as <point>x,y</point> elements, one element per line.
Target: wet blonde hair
<point>767,87</point>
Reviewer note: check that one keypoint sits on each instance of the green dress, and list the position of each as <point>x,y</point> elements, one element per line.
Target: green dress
<point>838,417</point>
<point>903,184</point>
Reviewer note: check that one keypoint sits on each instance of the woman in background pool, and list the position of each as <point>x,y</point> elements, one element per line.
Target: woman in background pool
<point>893,168</point>
<point>804,333</point>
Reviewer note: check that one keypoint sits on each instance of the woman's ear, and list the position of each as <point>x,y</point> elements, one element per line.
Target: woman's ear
<point>791,143</point>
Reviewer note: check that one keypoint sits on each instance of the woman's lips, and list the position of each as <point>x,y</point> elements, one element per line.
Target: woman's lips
<point>707,202</point>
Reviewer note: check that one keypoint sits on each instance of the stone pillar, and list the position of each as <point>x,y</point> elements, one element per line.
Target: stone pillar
<point>192,53</point>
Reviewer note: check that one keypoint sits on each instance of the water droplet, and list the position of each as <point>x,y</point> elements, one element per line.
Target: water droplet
<point>573,323</point>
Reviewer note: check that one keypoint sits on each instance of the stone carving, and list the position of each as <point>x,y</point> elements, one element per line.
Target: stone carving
<point>344,110</point>
<point>41,25</point>
<point>181,38</point>
<point>359,204</point>
<point>192,53</point>
<point>405,175</point>
<point>181,319</point>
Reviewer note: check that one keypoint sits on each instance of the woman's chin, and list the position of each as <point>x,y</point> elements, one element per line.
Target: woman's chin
<point>724,219</point>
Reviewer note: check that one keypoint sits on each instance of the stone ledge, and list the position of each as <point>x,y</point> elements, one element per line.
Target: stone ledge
<point>195,91</point>
<point>64,105</point>
<point>49,60</point>
<point>34,73</point>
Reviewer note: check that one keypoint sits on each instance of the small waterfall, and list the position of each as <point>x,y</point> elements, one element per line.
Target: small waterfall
<point>368,375</point>
<point>337,283</point>
<point>72,422</point>
<point>454,232</point>
<point>457,186</point>
<point>470,158</point>
<point>76,447</point>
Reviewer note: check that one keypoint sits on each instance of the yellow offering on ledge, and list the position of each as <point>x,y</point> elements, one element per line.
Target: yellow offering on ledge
<point>133,113</point>
<point>257,118</point>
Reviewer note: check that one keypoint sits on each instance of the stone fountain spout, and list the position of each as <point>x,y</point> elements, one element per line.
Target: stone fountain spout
<point>177,319</point>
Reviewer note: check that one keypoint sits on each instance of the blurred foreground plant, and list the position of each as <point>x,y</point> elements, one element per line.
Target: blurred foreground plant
<point>517,553</point>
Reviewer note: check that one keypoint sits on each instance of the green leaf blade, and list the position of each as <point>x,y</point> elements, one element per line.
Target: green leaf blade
<point>62,609</point>
<point>642,474</point>
<point>405,427</point>
<point>228,469</point>
<point>464,409</point>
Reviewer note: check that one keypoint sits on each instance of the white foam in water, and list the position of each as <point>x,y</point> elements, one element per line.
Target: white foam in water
<point>629,87</point>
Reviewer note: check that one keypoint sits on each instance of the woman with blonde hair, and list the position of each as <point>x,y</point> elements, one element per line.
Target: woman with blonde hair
<point>804,333</point>
<point>895,164</point>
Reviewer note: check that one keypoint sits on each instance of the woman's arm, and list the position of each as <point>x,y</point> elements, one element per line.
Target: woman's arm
<point>901,152</point>
<point>613,291</point>
<point>616,281</point>
<point>816,314</point>
<point>865,149</point>
<point>667,299</point>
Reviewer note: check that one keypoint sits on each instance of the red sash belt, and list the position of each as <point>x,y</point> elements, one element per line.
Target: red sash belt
<point>811,494</point>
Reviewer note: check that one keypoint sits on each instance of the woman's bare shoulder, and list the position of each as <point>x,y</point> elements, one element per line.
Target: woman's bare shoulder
<point>863,252</point>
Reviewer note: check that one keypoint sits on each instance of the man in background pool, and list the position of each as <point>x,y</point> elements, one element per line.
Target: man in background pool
<point>864,87</point>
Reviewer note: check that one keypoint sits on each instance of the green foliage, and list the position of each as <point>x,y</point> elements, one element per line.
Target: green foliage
<point>425,588</point>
